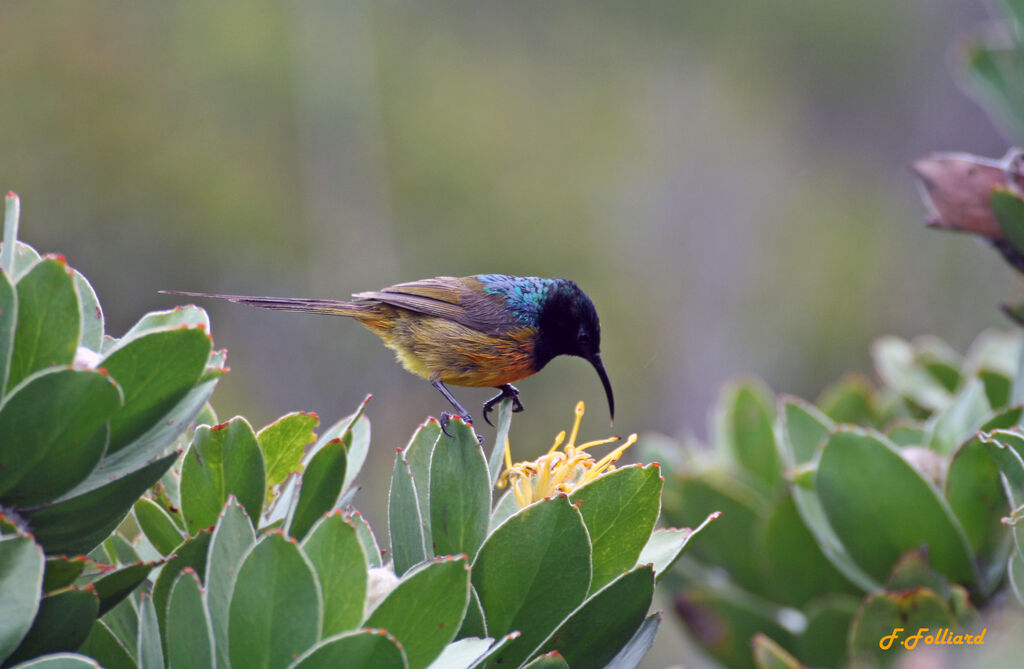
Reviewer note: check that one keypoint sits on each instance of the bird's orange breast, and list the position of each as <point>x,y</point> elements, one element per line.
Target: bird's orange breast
<point>442,350</point>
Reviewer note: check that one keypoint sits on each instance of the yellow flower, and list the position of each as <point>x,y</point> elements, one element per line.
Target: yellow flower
<point>559,471</point>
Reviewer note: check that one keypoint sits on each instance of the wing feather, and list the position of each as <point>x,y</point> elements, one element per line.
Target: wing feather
<point>461,300</point>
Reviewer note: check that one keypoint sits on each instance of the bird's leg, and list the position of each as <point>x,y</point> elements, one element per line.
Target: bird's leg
<point>509,391</point>
<point>460,411</point>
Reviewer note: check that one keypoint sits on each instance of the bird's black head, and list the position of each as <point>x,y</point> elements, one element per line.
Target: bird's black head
<point>568,325</point>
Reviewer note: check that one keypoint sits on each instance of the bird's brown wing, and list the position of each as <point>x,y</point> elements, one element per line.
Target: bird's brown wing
<point>461,300</point>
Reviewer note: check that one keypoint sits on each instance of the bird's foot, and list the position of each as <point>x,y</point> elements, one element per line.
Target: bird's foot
<point>509,391</point>
<point>466,418</point>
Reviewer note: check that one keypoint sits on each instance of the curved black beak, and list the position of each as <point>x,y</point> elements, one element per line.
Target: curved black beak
<point>595,360</point>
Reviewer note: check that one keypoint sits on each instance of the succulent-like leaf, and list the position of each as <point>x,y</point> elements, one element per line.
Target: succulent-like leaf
<point>60,661</point>
<point>505,507</point>
<point>1015,574</point>
<point>881,507</point>
<point>157,525</point>
<point>283,443</point>
<point>473,624</point>
<point>49,320</point>
<point>495,648</point>
<point>232,537</point>
<point>21,579</point>
<point>959,421</point>
<point>770,655</point>
<point>633,653</point>
<point>150,647</point>
<point>461,654</point>
<point>897,365</point>
<point>62,624</point>
<point>596,631</point>
<point>189,633</point>
<point>903,614</point>
<point>321,485</point>
<point>332,545</point>
<point>504,424</point>
<point>155,370</point>
<point>223,460</point>
<point>743,426</point>
<point>276,610</point>
<point>802,432</point>
<point>823,641</point>
<point>92,315</point>
<point>405,520</point>
<point>460,492</point>
<point>1008,208</point>
<point>531,572</point>
<point>851,400</point>
<point>103,646</point>
<point>619,510</point>
<point>123,622</point>
<point>8,323</point>
<point>366,539</point>
<point>113,587</point>
<point>418,452</point>
<point>189,316</point>
<point>552,660</point>
<point>666,546</point>
<point>424,610</point>
<point>362,649</point>
<point>797,571</point>
<point>78,524</point>
<point>61,571</point>
<point>191,553</point>
<point>53,433</point>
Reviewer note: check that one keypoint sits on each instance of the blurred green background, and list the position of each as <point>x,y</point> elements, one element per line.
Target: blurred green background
<point>727,180</point>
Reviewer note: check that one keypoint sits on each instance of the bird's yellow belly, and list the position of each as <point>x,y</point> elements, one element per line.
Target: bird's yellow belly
<point>440,350</point>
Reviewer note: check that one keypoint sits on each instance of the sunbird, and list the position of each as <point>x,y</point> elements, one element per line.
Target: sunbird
<point>481,331</point>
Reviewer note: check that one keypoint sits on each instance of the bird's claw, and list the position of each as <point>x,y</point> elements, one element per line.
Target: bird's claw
<point>446,416</point>
<point>509,391</point>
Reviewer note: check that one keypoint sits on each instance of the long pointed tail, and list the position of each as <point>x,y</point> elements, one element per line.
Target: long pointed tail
<point>307,305</point>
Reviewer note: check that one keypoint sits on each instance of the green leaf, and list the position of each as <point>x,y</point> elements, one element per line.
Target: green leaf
<point>1008,208</point>
<point>222,460</point>
<point>666,546</point>
<point>823,641</point>
<point>504,424</point>
<point>405,521</point>
<point>283,443</point>
<point>743,423</point>
<point>633,653</point>
<point>552,660</point>
<point>151,654</point>
<point>53,433</point>
<point>461,654</point>
<point>61,571</point>
<point>425,608</point>
<point>189,634</point>
<point>363,649</point>
<point>884,613</point>
<point>232,537</point>
<point>25,258</point>
<point>48,320</point>
<point>418,452</point>
<point>60,661</point>
<point>997,387</point>
<point>881,507</point>
<point>605,622</point>
<point>796,569</point>
<point>711,492</point>
<point>77,524</point>
<point>976,496</point>
<point>961,419</point>
<point>897,365</point>
<point>113,587</point>
<point>850,400</point>
<point>8,323</point>
<point>619,510</point>
<point>473,624</point>
<point>803,431</point>
<point>189,316</point>
<point>123,621</point>
<point>531,572</point>
<point>62,624</point>
<point>12,212</point>
<point>191,553</point>
<point>460,492</point>
<point>157,525</point>
<point>156,371</point>
<point>505,507</point>
<point>103,646</point>
<point>21,577</point>
<point>332,545</point>
<point>493,650</point>
<point>92,315</point>
<point>1015,574</point>
<point>770,655</point>
<point>321,485</point>
<point>276,609</point>
<point>366,538</point>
